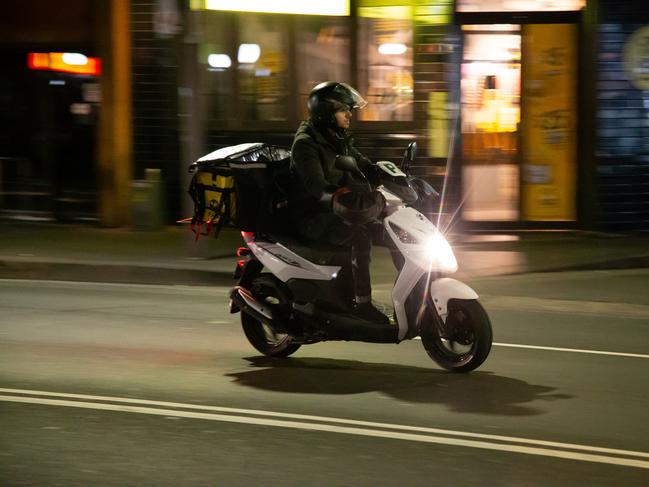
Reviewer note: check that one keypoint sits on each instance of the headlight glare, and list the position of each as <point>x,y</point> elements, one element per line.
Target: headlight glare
<point>440,252</point>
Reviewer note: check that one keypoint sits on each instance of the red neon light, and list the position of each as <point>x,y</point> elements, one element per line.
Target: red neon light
<point>54,61</point>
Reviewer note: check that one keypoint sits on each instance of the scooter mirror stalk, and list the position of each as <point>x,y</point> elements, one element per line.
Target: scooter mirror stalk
<point>409,156</point>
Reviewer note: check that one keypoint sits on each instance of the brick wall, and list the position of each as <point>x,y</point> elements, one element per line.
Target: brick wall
<point>436,69</point>
<point>155,111</point>
<point>622,141</point>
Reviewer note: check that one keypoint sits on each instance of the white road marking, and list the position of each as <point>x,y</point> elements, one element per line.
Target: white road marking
<point>210,291</point>
<point>571,350</point>
<point>354,427</point>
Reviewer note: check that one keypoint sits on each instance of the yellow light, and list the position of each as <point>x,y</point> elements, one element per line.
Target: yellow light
<point>309,7</point>
<point>401,12</point>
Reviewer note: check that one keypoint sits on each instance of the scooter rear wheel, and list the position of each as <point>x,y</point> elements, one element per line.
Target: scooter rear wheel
<point>463,342</point>
<point>269,290</point>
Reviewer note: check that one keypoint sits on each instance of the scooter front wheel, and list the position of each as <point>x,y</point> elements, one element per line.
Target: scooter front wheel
<point>461,343</point>
<point>269,290</point>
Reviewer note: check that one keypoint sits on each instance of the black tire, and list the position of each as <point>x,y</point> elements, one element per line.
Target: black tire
<point>270,290</point>
<point>463,342</point>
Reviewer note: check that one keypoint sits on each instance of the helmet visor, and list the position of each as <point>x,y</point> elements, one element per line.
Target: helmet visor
<point>345,94</point>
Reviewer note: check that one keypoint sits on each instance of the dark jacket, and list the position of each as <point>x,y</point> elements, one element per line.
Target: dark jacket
<point>313,156</point>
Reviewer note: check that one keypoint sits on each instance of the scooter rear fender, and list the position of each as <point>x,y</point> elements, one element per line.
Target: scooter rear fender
<point>444,289</point>
<point>246,273</point>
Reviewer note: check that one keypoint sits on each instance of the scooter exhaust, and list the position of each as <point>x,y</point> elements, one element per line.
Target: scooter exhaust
<point>244,301</point>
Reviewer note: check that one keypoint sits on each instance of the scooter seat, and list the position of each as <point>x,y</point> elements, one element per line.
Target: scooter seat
<point>320,254</point>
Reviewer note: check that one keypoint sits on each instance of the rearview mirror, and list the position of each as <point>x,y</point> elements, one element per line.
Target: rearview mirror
<point>409,156</point>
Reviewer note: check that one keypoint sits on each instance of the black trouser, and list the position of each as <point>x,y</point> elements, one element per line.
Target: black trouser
<point>331,229</point>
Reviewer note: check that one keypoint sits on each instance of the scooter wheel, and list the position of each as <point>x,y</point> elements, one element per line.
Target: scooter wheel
<point>271,291</point>
<point>463,342</point>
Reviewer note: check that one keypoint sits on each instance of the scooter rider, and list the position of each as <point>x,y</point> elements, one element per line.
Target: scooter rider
<point>318,186</point>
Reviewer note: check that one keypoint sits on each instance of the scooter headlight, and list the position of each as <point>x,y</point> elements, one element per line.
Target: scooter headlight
<point>440,253</point>
<point>435,247</point>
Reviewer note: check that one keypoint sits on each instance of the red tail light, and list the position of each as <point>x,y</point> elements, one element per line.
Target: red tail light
<point>243,251</point>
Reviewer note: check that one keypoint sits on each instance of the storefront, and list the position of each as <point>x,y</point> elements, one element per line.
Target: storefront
<point>509,100</point>
<point>249,67</point>
<point>257,61</point>
<point>519,112</point>
<point>49,106</point>
<point>518,71</point>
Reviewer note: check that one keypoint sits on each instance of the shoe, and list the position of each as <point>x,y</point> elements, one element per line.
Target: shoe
<point>367,312</point>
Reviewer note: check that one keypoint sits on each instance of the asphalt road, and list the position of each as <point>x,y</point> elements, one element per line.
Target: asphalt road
<point>106,384</point>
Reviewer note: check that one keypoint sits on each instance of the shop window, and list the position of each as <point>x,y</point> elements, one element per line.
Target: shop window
<point>385,62</point>
<point>215,65</point>
<point>490,86</point>
<point>262,58</point>
<point>322,51</point>
<point>519,5</point>
<point>491,80</point>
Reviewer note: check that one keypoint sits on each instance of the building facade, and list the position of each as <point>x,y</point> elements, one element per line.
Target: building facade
<point>527,114</point>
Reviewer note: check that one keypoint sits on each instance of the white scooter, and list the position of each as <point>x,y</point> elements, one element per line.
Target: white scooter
<point>306,294</point>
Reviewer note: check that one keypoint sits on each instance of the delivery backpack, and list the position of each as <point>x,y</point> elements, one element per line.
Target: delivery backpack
<point>245,186</point>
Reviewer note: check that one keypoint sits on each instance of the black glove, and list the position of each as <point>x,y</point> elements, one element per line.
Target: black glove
<point>357,186</point>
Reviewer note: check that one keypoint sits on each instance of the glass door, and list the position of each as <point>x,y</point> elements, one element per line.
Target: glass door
<point>490,94</point>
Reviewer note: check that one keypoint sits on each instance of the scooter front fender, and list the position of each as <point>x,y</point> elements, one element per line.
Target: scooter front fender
<point>443,289</point>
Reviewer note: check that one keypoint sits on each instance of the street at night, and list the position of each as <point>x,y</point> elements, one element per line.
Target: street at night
<point>109,384</point>
<point>324,243</point>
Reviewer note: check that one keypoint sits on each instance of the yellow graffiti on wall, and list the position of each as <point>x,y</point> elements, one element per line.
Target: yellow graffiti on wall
<point>549,122</point>
<point>636,58</point>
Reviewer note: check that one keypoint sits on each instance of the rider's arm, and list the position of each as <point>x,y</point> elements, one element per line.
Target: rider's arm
<point>308,168</point>
<point>361,160</point>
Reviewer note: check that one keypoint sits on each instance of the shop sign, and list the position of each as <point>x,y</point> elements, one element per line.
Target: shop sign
<point>310,7</point>
<point>64,62</point>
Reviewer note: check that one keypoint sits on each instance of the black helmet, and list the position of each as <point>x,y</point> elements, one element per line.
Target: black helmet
<point>358,208</point>
<point>329,97</point>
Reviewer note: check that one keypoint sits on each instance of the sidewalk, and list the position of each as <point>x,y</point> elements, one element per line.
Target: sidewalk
<point>172,256</point>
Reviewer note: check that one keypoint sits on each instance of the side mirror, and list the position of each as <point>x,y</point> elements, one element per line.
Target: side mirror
<point>409,156</point>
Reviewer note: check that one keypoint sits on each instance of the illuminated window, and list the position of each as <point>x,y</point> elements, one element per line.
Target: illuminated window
<point>491,80</point>
<point>263,68</point>
<point>322,53</point>
<point>385,64</point>
<point>215,64</point>
<point>490,91</point>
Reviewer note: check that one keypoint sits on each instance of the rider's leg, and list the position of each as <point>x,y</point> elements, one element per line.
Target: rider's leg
<point>340,233</point>
<point>361,247</point>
